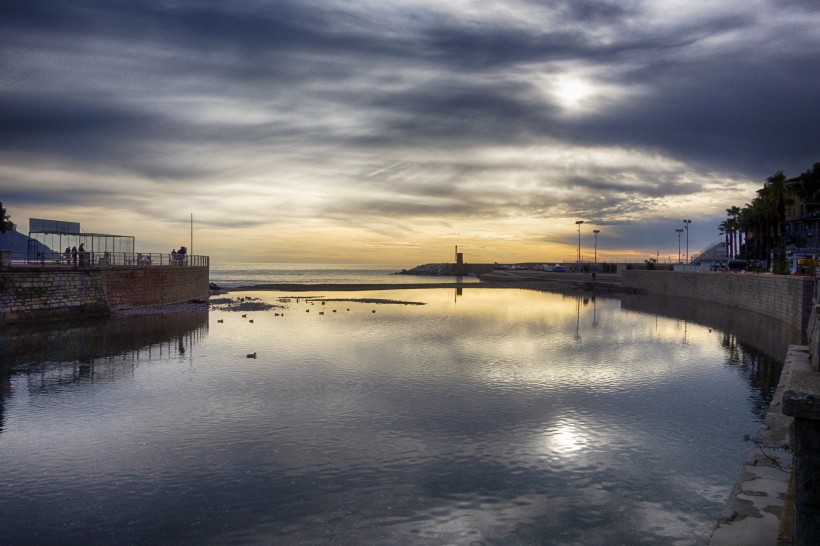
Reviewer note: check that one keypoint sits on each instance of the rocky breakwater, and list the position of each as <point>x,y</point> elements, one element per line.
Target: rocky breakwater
<point>447,270</point>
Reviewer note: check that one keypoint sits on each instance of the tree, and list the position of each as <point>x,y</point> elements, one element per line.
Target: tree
<point>5,222</point>
<point>732,224</point>
<point>808,183</point>
<point>725,229</point>
<point>773,196</point>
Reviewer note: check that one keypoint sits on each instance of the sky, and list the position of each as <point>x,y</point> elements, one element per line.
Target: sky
<point>389,132</point>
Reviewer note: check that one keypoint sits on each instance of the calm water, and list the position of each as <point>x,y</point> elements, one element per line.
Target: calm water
<point>485,417</point>
<point>233,275</point>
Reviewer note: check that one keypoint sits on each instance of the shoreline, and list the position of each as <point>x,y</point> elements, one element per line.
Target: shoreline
<point>332,287</point>
<point>507,279</point>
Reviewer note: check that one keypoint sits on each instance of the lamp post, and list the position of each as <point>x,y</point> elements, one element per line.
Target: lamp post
<point>578,223</point>
<point>686,226</point>
<point>596,232</point>
<point>679,232</point>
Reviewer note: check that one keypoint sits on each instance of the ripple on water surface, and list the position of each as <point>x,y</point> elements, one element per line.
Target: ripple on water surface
<point>494,416</point>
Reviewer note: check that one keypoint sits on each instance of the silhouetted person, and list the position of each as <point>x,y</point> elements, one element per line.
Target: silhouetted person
<point>74,255</point>
<point>81,251</point>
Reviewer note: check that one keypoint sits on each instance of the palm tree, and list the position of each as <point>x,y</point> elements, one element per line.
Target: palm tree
<point>725,229</point>
<point>743,228</point>
<point>752,223</point>
<point>734,244</point>
<point>756,232</point>
<point>773,195</point>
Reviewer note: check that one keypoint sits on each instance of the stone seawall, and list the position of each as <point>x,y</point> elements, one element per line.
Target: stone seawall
<point>36,294</point>
<point>138,287</point>
<point>766,507</point>
<point>31,294</point>
<point>782,297</point>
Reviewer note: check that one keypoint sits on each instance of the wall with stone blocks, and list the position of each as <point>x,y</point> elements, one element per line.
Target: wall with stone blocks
<point>783,297</point>
<point>141,286</point>
<point>34,294</point>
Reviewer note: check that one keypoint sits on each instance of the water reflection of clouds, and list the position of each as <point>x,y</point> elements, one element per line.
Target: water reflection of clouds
<point>417,423</point>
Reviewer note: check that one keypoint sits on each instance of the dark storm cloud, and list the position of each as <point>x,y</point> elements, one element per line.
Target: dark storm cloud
<point>733,113</point>
<point>710,110</point>
<point>82,134</point>
<point>746,111</point>
<point>250,33</point>
<point>460,112</point>
<point>65,197</point>
<point>655,235</point>
<point>648,186</point>
<point>39,123</point>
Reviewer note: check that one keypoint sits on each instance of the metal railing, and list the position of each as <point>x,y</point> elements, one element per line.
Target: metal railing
<point>101,260</point>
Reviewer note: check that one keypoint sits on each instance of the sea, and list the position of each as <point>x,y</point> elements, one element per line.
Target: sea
<point>429,416</point>
<point>249,274</point>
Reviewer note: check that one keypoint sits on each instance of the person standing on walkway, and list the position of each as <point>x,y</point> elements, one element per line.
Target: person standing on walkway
<point>74,255</point>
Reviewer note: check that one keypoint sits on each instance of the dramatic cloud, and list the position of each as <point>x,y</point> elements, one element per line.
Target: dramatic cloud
<point>362,131</point>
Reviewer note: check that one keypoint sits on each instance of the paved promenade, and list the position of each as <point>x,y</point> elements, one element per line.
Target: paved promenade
<point>758,510</point>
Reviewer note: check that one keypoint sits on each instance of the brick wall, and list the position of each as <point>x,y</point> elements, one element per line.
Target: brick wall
<point>35,293</point>
<point>783,297</point>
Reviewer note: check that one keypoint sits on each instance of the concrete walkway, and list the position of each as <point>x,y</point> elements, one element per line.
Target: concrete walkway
<point>758,510</point>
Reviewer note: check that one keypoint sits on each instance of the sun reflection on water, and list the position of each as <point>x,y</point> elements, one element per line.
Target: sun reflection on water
<point>565,439</point>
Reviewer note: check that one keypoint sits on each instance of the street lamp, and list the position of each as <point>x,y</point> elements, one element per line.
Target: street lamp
<point>596,232</point>
<point>686,225</point>
<point>679,232</point>
<point>578,223</point>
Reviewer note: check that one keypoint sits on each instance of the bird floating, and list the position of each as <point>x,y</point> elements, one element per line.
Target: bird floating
<point>252,355</point>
